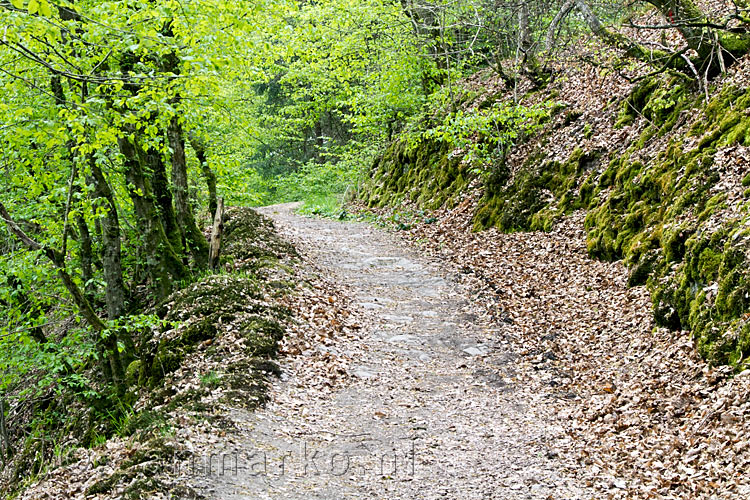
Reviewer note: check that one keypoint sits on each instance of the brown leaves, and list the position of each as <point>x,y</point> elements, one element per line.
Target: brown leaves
<point>648,418</point>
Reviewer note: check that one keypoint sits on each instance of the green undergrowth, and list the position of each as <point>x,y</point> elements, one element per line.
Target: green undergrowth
<point>660,211</point>
<point>240,300</point>
<point>324,205</point>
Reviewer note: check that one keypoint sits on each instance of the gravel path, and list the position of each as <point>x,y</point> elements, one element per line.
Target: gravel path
<point>436,405</point>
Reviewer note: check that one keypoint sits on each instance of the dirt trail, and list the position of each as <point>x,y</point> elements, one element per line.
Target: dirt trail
<point>436,405</point>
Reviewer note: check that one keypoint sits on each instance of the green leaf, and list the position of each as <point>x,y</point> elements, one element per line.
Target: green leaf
<point>18,4</point>
<point>44,9</point>
<point>33,7</point>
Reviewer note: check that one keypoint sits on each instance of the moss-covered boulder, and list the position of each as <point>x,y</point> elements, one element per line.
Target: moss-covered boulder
<point>422,170</point>
<point>202,310</point>
<point>251,241</point>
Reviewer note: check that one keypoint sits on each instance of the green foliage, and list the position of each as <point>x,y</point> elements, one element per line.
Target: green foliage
<point>662,216</point>
<point>483,136</point>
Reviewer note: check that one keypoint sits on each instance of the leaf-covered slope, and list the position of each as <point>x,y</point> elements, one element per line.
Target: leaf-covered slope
<point>660,171</point>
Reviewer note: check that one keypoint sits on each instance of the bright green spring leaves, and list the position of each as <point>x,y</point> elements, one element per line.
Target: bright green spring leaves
<point>483,136</point>
<point>34,6</point>
<point>340,78</point>
<point>73,77</point>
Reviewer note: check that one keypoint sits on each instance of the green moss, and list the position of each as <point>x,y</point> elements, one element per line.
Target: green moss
<point>216,300</point>
<point>642,268</point>
<point>250,240</point>
<point>652,212</point>
<point>261,335</point>
<point>422,171</point>
<point>137,476</point>
<point>132,374</point>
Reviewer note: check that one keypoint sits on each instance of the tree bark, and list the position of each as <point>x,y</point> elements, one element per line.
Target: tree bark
<point>111,242</point>
<point>112,263</point>
<point>109,339</point>
<point>87,257</point>
<point>619,41</point>
<point>162,262</point>
<point>200,152</point>
<point>155,166</point>
<point>216,230</point>
<point>549,41</point>
<point>195,242</point>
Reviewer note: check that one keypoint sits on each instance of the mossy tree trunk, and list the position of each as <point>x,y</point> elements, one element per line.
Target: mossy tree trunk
<point>195,243</point>
<point>200,152</point>
<point>163,264</point>
<point>716,45</point>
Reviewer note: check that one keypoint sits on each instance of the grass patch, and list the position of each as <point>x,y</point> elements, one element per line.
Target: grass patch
<point>324,205</point>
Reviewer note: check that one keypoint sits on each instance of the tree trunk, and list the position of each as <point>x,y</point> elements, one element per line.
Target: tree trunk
<point>162,262</point>
<point>216,231</point>
<point>549,41</point>
<point>195,242</point>
<point>112,265</point>
<point>529,62</point>
<point>163,195</point>
<point>111,252</point>
<point>200,152</point>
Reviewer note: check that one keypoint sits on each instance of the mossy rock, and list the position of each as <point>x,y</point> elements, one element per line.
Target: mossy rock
<point>217,299</point>
<point>250,238</point>
<point>261,335</point>
<point>422,171</point>
<point>132,374</point>
<point>141,473</point>
<point>643,268</point>
<point>523,202</point>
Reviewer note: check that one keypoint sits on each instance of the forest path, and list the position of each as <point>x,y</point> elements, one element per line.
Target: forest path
<point>436,405</point>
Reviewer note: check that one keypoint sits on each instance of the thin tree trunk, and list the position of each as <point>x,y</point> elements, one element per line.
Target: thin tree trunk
<point>7,448</point>
<point>84,306</point>
<point>200,152</point>
<point>112,264</point>
<point>87,257</point>
<point>111,251</point>
<point>195,242</point>
<point>216,232</point>
<point>549,41</point>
